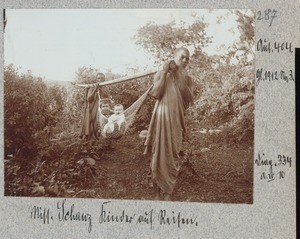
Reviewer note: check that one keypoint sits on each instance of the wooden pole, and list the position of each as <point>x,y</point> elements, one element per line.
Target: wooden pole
<point>119,80</point>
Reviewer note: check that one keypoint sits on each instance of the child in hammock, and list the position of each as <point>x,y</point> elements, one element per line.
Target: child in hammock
<point>116,122</point>
<point>105,109</point>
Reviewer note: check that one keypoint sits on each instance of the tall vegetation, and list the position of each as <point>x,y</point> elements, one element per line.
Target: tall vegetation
<point>224,84</point>
<point>42,121</point>
<point>30,107</point>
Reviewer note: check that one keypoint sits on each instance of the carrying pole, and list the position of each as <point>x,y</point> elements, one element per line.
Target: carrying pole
<point>119,80</point>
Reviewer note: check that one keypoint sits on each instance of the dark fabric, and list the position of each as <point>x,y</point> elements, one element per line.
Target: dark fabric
<point>89,129</point>
<point>167,126</point>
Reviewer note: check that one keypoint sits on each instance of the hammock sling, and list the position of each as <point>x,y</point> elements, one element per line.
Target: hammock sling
<point>129,113</point>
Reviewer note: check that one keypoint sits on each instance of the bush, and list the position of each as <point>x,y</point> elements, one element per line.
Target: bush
<point>29,109</point>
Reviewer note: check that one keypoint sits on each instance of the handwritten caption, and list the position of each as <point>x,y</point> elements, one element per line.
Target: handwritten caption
<point>264,45</point>
<point>270,47</point>
<point>275,168</point>
<point>267,15</point>
<point>266,75</point>
<point>69,213</point>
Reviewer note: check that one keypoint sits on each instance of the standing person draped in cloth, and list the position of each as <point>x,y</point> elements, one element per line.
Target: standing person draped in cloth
<point>173,90</point>
<point>89,129</point>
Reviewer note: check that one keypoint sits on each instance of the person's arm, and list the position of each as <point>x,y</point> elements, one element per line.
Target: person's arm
<point>159,80</point>
<point>158,87</point>
<point>91,96</point>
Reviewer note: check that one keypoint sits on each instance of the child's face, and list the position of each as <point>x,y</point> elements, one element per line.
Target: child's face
<point>118,110</point>
<point>105,107</point>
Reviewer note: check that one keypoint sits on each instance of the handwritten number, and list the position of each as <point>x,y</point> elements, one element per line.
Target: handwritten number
<point>267,15</point>
<point>267,12</point>
<point>265,75</point>
<point>289,160</point>
<point>273,16</point>
<point>281,174</point>
<point>259,16</point>
<point>284,160</point>
<point>279,160</point>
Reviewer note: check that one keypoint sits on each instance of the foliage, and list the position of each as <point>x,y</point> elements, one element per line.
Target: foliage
<point>162,40</point>
<point>74,99</point>
<point>41,122</point>
<point>64,167</point>
<point>223,90</point>
<point>242,50</point>
<point>29,107</point>
<point>86,75</point>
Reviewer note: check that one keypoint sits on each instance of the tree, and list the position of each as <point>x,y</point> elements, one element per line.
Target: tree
<point>26,110</point>
<point>224,90</point>
<point>162,40</point>
<point>242,49</point>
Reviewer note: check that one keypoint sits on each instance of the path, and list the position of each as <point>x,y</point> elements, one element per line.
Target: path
<point>223,174</point>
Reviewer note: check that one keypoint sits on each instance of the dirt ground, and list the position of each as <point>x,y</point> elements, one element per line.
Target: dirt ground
<point>220,174</point>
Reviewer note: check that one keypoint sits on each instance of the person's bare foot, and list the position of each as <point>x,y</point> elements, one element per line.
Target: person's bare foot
<point>157,192</point>
<point>157,196</point>
<point>168,197</point>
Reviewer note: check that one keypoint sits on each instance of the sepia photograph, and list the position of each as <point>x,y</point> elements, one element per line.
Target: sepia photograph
<point>129,104</point>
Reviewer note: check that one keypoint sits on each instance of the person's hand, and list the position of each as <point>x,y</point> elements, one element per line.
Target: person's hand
<point>173,65</point>
<point>169,66</point>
